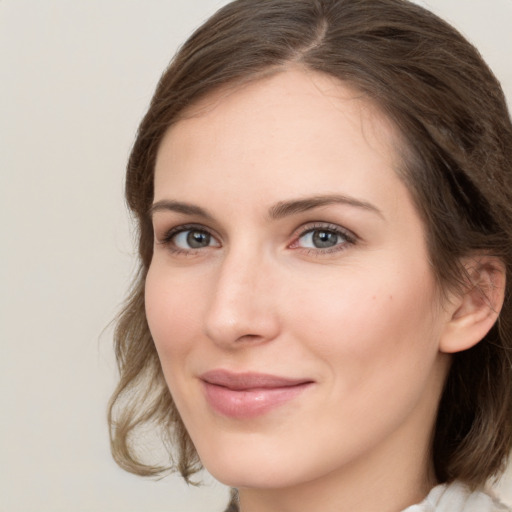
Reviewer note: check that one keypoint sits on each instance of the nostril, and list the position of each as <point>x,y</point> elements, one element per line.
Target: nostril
<point>242,333</point>
<point>249,337</point>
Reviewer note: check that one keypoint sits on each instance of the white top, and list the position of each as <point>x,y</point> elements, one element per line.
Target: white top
<point>457,497</point>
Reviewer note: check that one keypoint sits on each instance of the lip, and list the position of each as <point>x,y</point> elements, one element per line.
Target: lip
<point>247,395</point>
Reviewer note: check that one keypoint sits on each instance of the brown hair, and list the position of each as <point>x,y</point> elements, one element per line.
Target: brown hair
<point>457,163</point>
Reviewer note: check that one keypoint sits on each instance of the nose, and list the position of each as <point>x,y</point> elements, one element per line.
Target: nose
<point>243,306</point>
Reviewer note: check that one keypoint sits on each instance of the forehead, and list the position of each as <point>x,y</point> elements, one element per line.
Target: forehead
<point>276,133</point>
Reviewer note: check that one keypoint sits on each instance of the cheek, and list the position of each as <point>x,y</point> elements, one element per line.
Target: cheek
<point>376,343</point>
<point>172,309</point>
<point>370,321</point>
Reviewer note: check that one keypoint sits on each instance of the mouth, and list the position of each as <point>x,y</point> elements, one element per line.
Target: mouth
<point>247,395</point>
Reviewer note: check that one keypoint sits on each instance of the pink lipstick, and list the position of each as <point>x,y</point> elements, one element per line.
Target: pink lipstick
<point>246,395</point>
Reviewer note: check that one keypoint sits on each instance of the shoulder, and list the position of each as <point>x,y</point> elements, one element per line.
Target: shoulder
<point>457,497</point>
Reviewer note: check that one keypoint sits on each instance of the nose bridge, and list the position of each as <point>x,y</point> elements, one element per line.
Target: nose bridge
<point>241,306</point>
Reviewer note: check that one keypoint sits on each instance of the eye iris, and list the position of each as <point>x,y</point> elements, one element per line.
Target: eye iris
<point>323,239</point>
<point>198,239</point>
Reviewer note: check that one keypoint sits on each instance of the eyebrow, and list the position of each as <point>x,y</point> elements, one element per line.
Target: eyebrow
<point>286,208</point>
<point>179,207</point>
<point>277,211</point>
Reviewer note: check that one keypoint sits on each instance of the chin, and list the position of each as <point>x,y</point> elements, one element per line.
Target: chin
<point>255,477</point>
<point>259,465</point>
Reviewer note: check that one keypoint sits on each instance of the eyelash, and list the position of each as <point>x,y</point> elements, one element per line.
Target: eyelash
<point>167,239</point>
<point>349,238</point>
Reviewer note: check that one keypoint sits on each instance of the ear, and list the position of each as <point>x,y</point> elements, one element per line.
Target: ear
<point>474,311</point>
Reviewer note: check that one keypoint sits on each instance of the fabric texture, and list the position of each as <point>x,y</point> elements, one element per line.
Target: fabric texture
<point>454,497</point>
<point>457,497</point>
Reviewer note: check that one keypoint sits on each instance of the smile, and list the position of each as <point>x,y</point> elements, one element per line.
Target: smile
<point>247,395</point>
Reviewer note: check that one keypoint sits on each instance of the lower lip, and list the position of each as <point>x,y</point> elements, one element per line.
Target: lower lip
<point>249,403</point>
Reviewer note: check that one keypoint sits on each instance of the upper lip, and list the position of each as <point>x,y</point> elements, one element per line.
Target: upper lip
<point>249,380</point>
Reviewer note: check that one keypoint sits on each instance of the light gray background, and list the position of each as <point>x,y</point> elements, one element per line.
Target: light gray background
<point>76,77</point>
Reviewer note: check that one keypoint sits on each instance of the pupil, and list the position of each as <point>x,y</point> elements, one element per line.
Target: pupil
<point>197,239</point>
<point>323,239</point>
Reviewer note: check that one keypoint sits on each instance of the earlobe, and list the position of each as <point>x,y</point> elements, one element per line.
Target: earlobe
<point>474,311</point>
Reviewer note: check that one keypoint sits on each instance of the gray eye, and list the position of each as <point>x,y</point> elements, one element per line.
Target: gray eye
<point>193,239</point>
<point>320,239</point>
<point>197,239</point>
<point>323,239</point>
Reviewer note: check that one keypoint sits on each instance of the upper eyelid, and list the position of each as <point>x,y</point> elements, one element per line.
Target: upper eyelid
<point>350,239</point>
<point>168,220</point>
<point>180,228</point>
<point>328,226</point>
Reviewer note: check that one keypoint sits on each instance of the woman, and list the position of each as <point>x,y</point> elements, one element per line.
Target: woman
<point>322,315</point>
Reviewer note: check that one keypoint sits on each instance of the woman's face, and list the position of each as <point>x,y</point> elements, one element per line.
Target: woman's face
<point>290,297</point>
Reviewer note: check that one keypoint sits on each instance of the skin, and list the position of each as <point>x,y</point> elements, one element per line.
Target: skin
<point>361,319</point>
